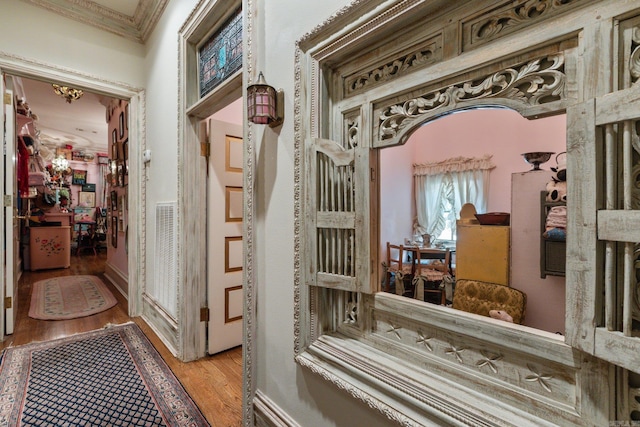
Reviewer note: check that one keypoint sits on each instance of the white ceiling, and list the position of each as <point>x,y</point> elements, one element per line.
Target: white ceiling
<point>132,19</point>
<point>81,124</point>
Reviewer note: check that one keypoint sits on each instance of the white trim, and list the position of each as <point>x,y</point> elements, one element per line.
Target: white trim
<point>117,278</point>
<point>137,27</point>
<point>268,414</point>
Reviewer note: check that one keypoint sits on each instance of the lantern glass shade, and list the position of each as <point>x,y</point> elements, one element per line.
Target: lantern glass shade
<point>262,103</point>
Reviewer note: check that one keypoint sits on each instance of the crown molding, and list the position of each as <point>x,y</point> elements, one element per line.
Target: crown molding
<point>136,27</point>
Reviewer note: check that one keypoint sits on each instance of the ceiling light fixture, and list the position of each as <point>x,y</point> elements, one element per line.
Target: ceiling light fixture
<point>60,164</point>
<point>68,93</point>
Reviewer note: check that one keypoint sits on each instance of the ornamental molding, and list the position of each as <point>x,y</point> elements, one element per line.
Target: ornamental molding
<point>250,298</point>
<point>137,27</point>
<point>429,53</point>
<point>516,16</point>
<point>358,393</point>
<point>439,348</point>
<point>536,82</point>
<point>297,205</point>
<point>634,60</point>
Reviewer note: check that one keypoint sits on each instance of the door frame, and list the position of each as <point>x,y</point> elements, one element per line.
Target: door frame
<point>192,244</point>
<point>23,67</point>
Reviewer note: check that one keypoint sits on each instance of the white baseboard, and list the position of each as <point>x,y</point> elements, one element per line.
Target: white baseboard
<point>268,414</point>
<point>118,278</point>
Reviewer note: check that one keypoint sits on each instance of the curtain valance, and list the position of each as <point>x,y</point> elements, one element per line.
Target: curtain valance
<point>454,164</point>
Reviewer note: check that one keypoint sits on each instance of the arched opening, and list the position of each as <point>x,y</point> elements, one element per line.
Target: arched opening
<point>502,135</point>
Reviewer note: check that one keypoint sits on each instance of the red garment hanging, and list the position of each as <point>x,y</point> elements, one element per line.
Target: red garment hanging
<point>23,168</point>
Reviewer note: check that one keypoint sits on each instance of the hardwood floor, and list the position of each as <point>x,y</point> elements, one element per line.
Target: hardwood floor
<point>214,383</point>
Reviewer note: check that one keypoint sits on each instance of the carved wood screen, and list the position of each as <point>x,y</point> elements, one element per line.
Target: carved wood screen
<point>467,57</point>
<point>605,273</point>
<point>339,239</point>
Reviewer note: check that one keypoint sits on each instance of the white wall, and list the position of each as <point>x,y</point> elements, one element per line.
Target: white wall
<point>161,83</point>
<point>309,400</point>
<point>34,33</point>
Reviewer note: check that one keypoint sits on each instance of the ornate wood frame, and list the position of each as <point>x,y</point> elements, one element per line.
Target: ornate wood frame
<point>421,364</point>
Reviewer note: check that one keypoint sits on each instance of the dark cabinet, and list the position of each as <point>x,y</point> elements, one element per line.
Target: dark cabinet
<point>552,252</point>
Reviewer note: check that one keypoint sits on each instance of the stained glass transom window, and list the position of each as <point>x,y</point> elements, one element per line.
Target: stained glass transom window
<point>221,55</point>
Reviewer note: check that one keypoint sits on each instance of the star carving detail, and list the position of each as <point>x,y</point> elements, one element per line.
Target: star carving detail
<point>489,361</point>
<point>539,378</point>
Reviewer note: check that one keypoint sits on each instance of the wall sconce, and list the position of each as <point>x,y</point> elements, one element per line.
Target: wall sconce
<point>265,105</point>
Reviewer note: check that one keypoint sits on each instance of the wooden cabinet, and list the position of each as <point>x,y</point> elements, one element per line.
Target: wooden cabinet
<point>552,252</point>
<point>50,247</point>
<point>482,253</point>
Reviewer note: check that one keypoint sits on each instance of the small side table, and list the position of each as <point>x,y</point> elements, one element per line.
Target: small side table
<point>86,236</point>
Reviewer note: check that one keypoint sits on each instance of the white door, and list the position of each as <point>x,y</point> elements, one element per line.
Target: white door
<point>11,238</point>
<point>224,239</point>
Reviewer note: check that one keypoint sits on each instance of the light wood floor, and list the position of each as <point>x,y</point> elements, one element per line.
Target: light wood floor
<point>214,383</point>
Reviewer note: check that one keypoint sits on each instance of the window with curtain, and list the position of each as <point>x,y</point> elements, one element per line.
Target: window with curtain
<point>441,188</point>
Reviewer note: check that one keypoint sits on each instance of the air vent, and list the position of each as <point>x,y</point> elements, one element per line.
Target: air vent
<point>164,287</point>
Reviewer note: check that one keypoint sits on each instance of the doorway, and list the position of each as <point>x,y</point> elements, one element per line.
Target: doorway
<point>44,73</point>
<point>224,228</point>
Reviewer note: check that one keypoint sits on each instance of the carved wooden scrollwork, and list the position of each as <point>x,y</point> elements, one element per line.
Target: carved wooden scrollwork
<point>352,136</point>
<point>635,204</point>
<point>634,60</point>
<point>520,15</point>
<point>351,308</point>
<point>427,54</point>
<point>537,82</point>
<point>634,400</point>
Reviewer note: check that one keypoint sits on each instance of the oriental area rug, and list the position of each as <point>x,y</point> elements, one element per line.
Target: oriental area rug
<point>69,297</point>
<point>109,377</point>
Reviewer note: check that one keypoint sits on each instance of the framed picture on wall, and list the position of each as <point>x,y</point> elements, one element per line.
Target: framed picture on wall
<point>114,231</point>
<point>87,199</point>
<point>114,201</point>
<point>79,177</point>
<point>120,174</point>
<point>125,153</point>
<point>121,124</point>
<point>114,136</point>
<point>116,175</point>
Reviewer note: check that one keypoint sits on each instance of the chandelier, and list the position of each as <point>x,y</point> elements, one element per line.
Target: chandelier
<point>68,93</point>
<point>60,164</point>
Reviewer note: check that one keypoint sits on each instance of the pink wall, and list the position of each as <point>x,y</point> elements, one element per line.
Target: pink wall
<point>501,133</point>
<point>93,177</point>
<point>505,134</point>
<point>117,257</point>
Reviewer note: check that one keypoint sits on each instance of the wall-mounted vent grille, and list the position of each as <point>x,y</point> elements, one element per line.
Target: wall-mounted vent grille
<point>165,287</point>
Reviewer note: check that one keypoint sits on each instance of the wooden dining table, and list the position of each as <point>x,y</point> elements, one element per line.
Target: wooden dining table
<point>428,253</point>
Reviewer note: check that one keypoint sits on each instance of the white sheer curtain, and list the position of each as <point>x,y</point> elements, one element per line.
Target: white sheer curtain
<point>458,181</point>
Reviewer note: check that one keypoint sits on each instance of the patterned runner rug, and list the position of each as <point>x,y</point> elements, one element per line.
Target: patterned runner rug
<point>69,297</point>
<point>109,377</point>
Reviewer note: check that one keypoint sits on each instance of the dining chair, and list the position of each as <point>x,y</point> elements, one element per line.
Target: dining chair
<point>432,274</point>
<point>397,266</point>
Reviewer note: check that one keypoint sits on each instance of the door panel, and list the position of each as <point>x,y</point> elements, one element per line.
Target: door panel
<point>11,222</point>
<point>224,240</point>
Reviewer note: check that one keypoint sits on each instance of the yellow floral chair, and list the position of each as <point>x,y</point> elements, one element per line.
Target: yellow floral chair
<point>474,296</point>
